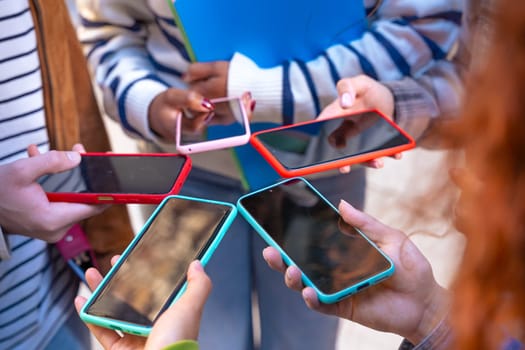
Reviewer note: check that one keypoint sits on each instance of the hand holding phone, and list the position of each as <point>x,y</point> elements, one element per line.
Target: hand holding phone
<point>164,107</point>
<point>179,322</point>
<point>226,126</point>
<point>323,144</point>
<point>151,273</point>
<point>397,305</point>
<point>25,208</point>
<point>335,258</point>
<point>119,178</point>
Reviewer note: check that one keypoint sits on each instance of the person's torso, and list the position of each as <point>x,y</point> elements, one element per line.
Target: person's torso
<point>36,286</point>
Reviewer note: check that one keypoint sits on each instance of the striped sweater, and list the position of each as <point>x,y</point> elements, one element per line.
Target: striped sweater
<point>36,287</point>
<point>136,52</point>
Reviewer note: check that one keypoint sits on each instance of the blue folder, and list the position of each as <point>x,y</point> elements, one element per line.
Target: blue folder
<point>254,169</point>
<point>269,32</point>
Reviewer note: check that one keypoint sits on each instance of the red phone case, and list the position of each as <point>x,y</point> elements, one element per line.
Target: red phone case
<point>126,198</point>
<point>355,159</point>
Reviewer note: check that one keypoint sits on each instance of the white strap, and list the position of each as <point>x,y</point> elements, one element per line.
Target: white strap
<point>5,252</point>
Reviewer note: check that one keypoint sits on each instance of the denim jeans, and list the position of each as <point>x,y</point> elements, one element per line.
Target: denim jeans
<point>241,278</point>
<point>73,335</point>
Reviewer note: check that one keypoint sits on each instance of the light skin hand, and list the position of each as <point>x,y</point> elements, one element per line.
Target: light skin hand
<point>168,105</point>
<point>24,207</point>
<point>361,93</point>
<point>410,303</point>
<point>210,79</point>
<point>180,322</point>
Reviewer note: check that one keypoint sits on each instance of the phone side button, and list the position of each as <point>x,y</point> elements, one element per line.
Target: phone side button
<point>363,286</point>
<point>105,198</point>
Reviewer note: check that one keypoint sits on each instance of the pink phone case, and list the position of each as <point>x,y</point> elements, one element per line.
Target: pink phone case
<point>225,140</point>
<point>179,176</point>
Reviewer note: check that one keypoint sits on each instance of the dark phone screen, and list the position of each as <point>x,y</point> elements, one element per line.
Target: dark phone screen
<point>331,253</point>
<point>155,268</point>
<point>328,140</point>
<point>118,174</point>
<point>226,121</point>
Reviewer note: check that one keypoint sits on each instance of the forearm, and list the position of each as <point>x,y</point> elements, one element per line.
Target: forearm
<point>114,35</point>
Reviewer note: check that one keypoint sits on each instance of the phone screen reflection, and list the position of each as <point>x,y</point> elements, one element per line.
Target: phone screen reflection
<point>331,253</point>
<point>117,174</point>
<point>150,276</point>
<point>333,139</point>
<point>226,120</point>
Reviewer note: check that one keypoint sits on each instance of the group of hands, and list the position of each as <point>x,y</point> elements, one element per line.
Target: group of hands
<point>410,303</point>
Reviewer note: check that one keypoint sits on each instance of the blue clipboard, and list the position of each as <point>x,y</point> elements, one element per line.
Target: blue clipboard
<point>269,31</point>
<point>254,169</point>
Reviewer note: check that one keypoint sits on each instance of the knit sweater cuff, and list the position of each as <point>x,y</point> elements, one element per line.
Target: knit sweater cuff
<point>136,105</point>
<point>439,339</point>
<point>265,86</point>
<point>414,107</point>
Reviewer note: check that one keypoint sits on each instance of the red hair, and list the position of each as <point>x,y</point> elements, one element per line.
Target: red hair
<point>489,290</point>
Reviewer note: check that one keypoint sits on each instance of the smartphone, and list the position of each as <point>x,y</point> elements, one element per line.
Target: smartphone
<point>119,178</point>
<point>151,273</point>
<point>336,259</point>
<point>323,144</point>
<point>226,126</point>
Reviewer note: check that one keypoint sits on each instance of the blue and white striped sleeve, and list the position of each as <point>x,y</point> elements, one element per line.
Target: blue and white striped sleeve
<point>405,38</point>
<point>436,95</point>
<point>114,35</point>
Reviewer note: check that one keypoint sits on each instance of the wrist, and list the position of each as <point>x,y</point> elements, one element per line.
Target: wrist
<point>135,104</point>
<point>436,309</point>
<point>264,85</point>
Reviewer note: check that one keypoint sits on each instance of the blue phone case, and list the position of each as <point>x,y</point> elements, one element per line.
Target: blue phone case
<point>323,297</point>
<point>140,329</point>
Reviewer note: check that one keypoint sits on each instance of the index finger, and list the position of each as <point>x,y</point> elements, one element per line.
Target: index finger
<point>372,228</point>
<point>93,278</point>
<point>37,165</point>
<point>199,70</point>
<point>273,259</point>
<point>188,99</point>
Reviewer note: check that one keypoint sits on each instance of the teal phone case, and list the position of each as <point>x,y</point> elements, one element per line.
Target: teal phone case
<point>141,329</point>
<point>323,297</point>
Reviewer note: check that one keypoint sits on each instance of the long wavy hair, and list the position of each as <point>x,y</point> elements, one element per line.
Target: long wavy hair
<point>489,289</point>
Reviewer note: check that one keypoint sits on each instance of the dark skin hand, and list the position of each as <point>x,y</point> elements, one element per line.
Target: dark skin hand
<point>167,106</point>
<point>194,122</point>
<point>209,78</point>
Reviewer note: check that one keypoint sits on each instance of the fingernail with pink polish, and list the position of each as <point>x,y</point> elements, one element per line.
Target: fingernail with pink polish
<point>247,95</point>
<point>207,104</point>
